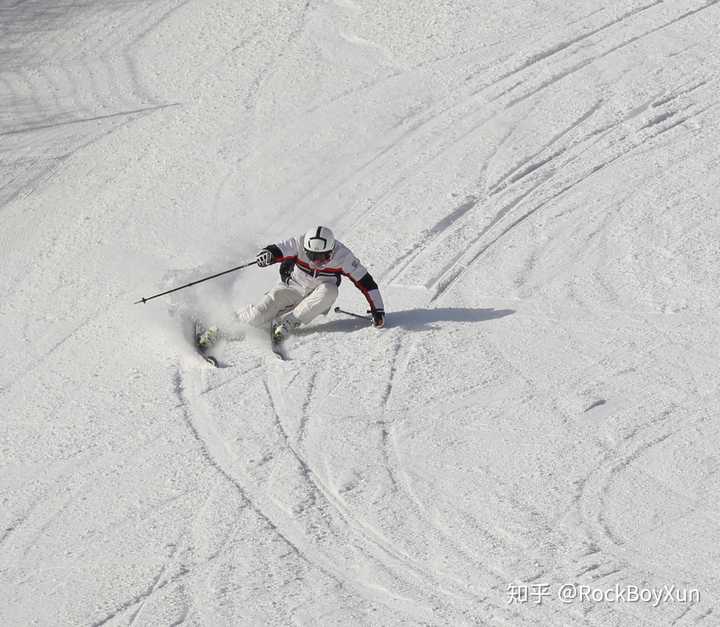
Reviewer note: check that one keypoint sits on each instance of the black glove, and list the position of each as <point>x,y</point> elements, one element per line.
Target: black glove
<point>378,316</point>
<point>286,269</point>
<point>265,258</point>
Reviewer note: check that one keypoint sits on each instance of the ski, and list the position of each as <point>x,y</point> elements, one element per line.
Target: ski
<point>211,360</point>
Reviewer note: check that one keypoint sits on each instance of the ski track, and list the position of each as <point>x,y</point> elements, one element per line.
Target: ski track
<point>40,80</point>
<point>402,488</point>
<point>420,247</point>
<point>592,498</point>
<point>448,276</point>
<point>410,505</point>
<point>303,552</point>
<point>153,586</point>
<point>384,422</point>
<point>321,492</point>
<point>188,416</point>
<point>376,548</point>
<point>138,602</point>
<point>305,417</point>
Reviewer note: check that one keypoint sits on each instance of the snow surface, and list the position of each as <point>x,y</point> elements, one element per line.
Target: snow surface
<point>533,184</point>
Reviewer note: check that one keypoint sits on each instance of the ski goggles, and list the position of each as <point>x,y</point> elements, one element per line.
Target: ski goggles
<point>318,256</point>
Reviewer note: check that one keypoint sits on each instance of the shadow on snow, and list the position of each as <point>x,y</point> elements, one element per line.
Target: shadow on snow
<point>412,319</point>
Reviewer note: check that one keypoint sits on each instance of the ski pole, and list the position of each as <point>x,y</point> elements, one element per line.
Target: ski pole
<point>182,287</point>
<point>350,313</point>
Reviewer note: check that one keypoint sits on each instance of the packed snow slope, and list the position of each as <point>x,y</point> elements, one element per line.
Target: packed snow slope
<point>534,185</point>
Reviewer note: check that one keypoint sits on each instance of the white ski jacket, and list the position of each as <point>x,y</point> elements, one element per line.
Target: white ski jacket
<point>308,275</point>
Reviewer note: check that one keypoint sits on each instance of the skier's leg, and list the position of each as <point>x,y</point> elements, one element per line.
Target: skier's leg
<point>316,302</point>
<point>278,299</point>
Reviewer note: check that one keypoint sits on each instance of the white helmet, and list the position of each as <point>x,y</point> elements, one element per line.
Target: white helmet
<point>319,243</point>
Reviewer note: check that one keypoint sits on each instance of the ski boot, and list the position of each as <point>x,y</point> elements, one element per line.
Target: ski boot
<point>207,338</point>
<point>281,330</point>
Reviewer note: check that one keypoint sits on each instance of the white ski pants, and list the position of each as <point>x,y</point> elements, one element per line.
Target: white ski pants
<point>284,298</point>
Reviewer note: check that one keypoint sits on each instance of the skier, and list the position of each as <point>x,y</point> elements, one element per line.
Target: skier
<point>311,268</point>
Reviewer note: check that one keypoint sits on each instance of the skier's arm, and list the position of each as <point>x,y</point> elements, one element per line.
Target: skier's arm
<point>371,291</point>
<point>363,280</point>
<point>274,253</point>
